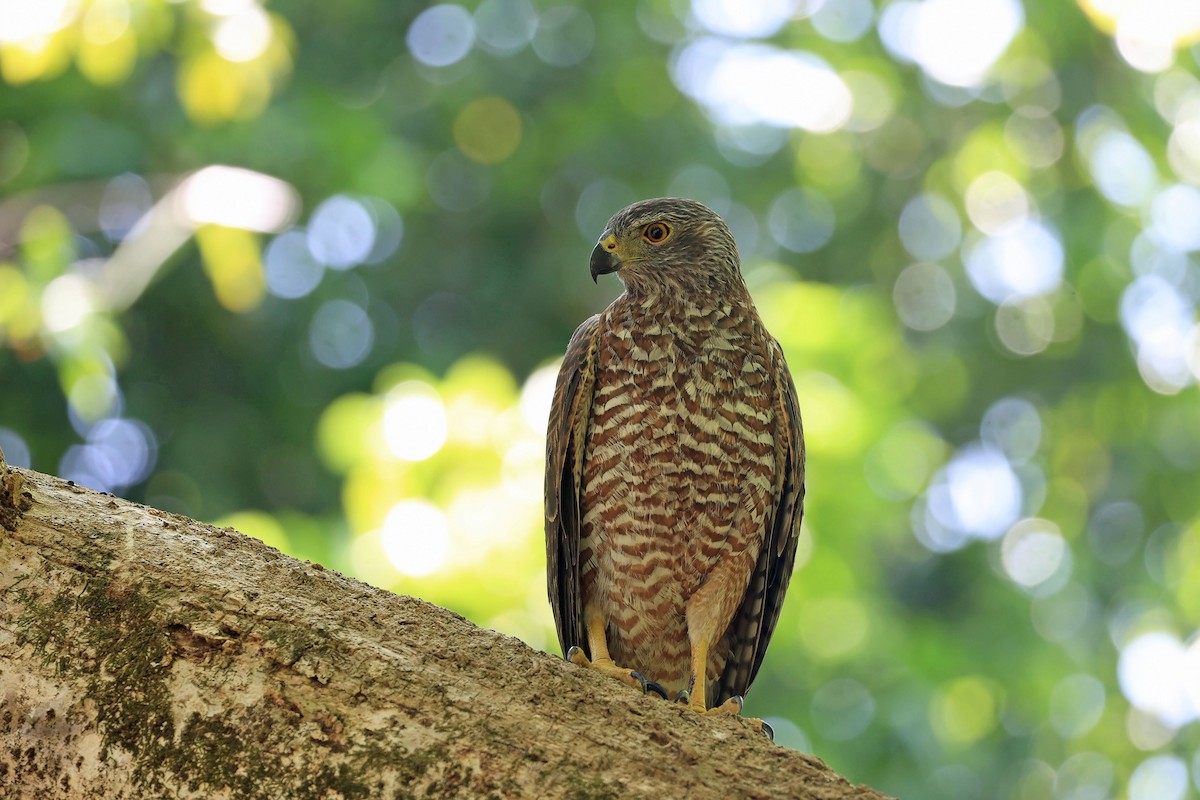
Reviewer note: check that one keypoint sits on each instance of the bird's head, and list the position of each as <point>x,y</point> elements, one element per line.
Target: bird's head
<point>668,244</point>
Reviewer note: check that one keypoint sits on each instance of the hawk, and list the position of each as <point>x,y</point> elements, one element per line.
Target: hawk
<point>674,467</point>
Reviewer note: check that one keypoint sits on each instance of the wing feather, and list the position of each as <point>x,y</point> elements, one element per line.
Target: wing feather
<point>565,432</point>
<point>754,622</point>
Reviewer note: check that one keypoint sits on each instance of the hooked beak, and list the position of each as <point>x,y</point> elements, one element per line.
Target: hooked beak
<point>604,258</point>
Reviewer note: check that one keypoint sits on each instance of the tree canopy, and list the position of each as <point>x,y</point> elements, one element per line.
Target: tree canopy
<point>306,269</point>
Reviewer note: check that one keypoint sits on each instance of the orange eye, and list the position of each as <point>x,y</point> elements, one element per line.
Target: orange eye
<point>656,233</point>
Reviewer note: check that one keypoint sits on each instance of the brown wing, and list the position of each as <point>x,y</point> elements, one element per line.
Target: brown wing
<point>565,433</point>
<point>752,626</point>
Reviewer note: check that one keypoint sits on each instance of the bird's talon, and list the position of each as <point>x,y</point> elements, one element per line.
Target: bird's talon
<point>575,656</point>
<point>652,686</point>
<point>683,697</point>
<point>768,730</point>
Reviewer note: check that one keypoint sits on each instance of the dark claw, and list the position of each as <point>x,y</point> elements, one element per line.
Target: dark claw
<point>571,651</point>
<point>741,702</point>
<point>650,686</point>
<point>769,731</point>
<point>683,696</point>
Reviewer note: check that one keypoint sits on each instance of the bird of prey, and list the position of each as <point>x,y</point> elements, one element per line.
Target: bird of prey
<point>674,467</point>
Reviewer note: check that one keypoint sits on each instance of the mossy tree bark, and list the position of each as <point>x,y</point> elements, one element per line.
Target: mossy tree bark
<point>145,655</point>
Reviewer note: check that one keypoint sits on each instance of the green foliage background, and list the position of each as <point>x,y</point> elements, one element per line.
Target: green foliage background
<point>999,588</point>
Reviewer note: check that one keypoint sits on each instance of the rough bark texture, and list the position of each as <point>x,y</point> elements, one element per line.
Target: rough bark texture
<point>143,654</point>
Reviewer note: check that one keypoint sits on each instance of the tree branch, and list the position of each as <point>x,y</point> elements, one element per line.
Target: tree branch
<point>143,654</point>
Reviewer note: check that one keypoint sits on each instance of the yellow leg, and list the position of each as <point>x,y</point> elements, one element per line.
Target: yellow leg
<point>601,661</point>
<point>708,612</point>
<point>698,686</point>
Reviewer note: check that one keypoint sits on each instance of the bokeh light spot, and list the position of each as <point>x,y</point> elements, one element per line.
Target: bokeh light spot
<point>997,203</point>
<point>416,537</point>
<point>414,421</point>
<point>107,50</point>
<point>341,232</point>
<point>565,35</point>
<point>389,229</point>
<point>291,270</point>
<point>340,334</point>
<point>1025,326</point>
<point>1175,217</point>
<point>46,243</point>
<point>964,710</point>
<point>236,198</point>
<point>705,185</point>
<point>1025,261</point>
<point>748,19</point>
<point>348,431</point>
<point>954,41</point>
<point>597,203</point>
<point>976,494</point>
<point>1159,777</point>
<point>25,20</point>
<point>243,36</point>
<point>1183,149</point>
<point>92,393</point>
<point>537,395</point>
<point>839,421</point>
<point>505,27</point>
<point>801,220</point>
<point>788,734</point>
<point>1147,32</point>
<point>899,464</point>
<point>924,296</point>
<point>66,303</point>
<point>740,85</point>
<point>1121,168</point>
<point>117,454</point>
<point>1013,426</point>
<point>843,20</point>
<point>1161,676</point>
<point>929,227</point>
<point>1159,319</point>
<point>488,130</point>
<point>441,35</point>
<point>842,709</point>
<point>15,448</point>
<point>214,89</point>
<point>1034,551</point>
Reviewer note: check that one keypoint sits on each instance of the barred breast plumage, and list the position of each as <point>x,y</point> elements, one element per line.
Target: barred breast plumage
<point>678,469</point>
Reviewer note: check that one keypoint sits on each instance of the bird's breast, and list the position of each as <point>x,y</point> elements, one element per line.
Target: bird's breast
<point>680,413</point>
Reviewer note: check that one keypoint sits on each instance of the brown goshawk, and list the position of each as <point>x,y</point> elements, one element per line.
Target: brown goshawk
<point>674,466</point>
